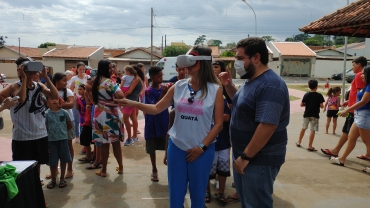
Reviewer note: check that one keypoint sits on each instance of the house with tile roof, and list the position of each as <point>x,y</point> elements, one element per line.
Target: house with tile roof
<point>292,58</point>
<point>9,54</point>
<point>62,59</point>
<point>135,56</point>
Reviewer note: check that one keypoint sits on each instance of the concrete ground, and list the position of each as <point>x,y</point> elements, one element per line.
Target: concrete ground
<point>307,179</point>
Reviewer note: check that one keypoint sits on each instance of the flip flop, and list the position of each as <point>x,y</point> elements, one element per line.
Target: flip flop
<point>335,160</point>
<point>298,145</point>
<point>363,157</point>
<point>51,185</point>
<point>231,199</point>
<point>154,177</point>
<point>48,176</point>
<point>207,198</point>
<point>69,175</point>
<point>119,171</point>
<point>62,184</point>
<point>328,152</point>
<point>312,149</point>
<point>366,170</point>
<point>99,173</point>
<point>91,167</point>
<point>84,160</point>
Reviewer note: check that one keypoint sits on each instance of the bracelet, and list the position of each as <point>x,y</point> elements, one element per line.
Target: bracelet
<point>201,148</point>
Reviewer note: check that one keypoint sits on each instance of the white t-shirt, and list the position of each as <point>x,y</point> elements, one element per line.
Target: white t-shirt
<point>78,81</point>
<point>192,120</point>
<point>69,94</point>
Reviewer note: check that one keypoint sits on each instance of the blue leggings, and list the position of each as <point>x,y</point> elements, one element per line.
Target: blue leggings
<point>181,172</point>
<point>76,117</point>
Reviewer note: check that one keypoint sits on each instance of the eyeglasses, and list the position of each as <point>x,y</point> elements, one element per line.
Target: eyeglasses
<point>191,98</point>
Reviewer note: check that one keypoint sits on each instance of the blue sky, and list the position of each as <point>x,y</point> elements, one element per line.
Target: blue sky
<point>126,23</point>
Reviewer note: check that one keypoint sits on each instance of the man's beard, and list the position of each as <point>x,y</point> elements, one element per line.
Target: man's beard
<point>251,70</point>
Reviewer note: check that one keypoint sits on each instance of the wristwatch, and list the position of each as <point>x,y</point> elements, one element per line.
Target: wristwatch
<point>203,147</point>
<point>245,157</point>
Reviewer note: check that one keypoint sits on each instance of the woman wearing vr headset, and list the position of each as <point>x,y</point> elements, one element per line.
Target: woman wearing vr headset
<point>199,105</point>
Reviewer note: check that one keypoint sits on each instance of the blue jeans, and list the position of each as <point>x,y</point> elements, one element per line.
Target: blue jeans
<point>76,118</point>
<point>181,172</point>
<point>256,185</point>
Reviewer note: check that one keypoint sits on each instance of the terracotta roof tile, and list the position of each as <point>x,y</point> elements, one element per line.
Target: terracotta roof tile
<point>147,51</point>
<point>352,20</point>
<point>293,49</point>
<point>26,51</point>
<point>71,52</point>
<point>113,52</point>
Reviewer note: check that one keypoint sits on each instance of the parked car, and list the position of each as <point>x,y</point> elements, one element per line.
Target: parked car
<point>350,76</point>
<point>346,96</point>
<point>2,78</point>
<point>339,76</point>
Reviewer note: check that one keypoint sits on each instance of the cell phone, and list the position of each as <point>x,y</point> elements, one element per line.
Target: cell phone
<point>15,98</point>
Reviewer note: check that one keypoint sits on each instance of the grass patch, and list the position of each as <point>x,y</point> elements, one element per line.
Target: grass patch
<point>292,98</point>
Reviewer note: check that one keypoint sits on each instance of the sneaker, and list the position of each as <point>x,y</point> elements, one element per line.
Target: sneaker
<point>128,142</point>
<point>135,139</point>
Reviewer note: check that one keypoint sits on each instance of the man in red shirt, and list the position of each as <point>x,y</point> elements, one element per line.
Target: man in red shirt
<point>356,85</point>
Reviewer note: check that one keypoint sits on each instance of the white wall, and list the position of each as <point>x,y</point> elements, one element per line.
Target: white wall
<point>96,57</point>
<point>275,66</point>
<point>326,68</point>
<point>57,64</point>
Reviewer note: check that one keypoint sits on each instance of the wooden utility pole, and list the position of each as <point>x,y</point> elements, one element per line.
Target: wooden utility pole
<point>151,38</point>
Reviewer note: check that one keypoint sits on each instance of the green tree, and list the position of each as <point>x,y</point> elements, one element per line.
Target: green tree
<point>268,38</point>
<point>227,54</point>
<point>215,43</point>
<point>45,45</point>
<point>2,41</point>
<point>312,42</point>
<point>170,51</point>
<point>200,40</point>
<point>289,40</point>
<point>231,45</point>
<point>301,37</point>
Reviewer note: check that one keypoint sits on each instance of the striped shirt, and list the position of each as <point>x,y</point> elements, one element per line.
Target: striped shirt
<point>29,117</point>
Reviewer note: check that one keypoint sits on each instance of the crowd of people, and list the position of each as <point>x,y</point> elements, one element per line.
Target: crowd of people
<point>197,118</point>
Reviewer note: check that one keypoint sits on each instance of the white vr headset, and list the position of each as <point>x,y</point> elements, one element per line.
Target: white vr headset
<point>189,60</point>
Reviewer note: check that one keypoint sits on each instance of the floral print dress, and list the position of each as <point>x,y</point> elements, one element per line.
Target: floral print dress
<point>107,115</point>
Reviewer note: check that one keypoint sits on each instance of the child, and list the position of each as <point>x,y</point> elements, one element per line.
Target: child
<point>312,101</point>
<point>326,86</point>
<point>58,123</point>
<point>221,161</point>
<point>156,126</point>
<point>332,104</point>
<point>127,79</point>
<point>86,135</point>
<point>67,103</point>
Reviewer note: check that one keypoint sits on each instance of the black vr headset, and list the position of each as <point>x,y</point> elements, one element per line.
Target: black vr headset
<point>31,65</point>
<point>189,60</point>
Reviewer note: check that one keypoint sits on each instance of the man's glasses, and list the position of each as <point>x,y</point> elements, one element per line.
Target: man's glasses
<point>191,98</point>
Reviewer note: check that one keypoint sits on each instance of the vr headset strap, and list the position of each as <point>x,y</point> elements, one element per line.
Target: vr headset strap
<point>199,58</point>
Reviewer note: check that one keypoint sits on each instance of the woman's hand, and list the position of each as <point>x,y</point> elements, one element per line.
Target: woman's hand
<point>21,72</point>
<point>61,102</point>
<point>8,103</point>
<point>44,73</point>
<point>193,153</point>
<point>165,158</point>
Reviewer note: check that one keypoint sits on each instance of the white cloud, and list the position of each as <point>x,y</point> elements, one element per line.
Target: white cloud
<point>127,23</point>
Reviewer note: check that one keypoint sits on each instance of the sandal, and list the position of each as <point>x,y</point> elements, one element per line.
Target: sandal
<point>42,182</point>
<point>207,198</point>
<point>312,149</point>
<point>84,160</point>
<point>154,177</point>
<point>221,197</point>
<point>100,173</point>
<point>62,184</point>
<point>231,200</point>
<point>119,171</point>
<point>69,175</point>
<point>51,185</point>
<point>366,170</point>
<point>93,166</point>
<point>335,160</point>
